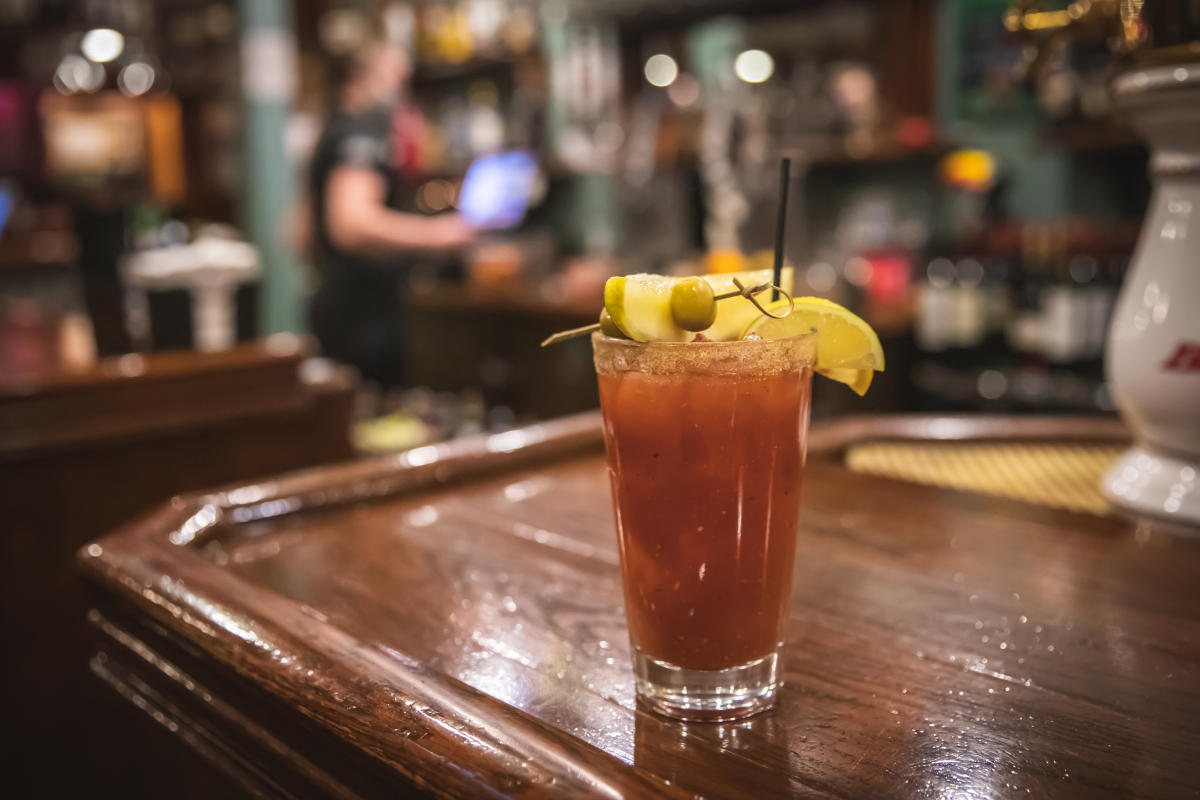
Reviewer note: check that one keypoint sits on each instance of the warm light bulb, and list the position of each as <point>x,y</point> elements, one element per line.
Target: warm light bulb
<point>661,69</point>
<point>102,44</point>
<point>754,66</point>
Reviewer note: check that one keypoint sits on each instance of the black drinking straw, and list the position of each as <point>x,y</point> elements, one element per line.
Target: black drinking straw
<point>785,167</point>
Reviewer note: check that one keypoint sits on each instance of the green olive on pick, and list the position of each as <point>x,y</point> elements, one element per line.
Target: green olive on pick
<point>693,304</point>
<point>608,327</point>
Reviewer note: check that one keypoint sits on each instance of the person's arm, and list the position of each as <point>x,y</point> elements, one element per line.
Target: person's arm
<point>358,220</point>
<point>296,225</point>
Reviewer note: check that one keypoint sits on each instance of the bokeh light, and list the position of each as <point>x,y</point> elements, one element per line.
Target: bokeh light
<point>661,69</point>
<point>754,66</point>
<point>102,45</point>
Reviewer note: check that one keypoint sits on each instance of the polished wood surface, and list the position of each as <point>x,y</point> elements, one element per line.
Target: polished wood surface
<point>830,439</point>
<point>82,453</point>
<point>450,620</point>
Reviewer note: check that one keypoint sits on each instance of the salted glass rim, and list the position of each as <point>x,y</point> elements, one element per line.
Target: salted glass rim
<point>597,336</point>
<point>742,356</point>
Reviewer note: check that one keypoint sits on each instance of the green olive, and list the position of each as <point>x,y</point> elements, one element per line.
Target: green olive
<point>693,305</point>
<point>608,327</point>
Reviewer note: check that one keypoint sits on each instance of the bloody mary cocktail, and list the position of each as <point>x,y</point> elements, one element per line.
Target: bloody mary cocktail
<point>705,444</point>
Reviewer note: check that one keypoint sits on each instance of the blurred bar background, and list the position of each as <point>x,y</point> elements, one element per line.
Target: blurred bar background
<point>979,221</point>
<point>158,272</point>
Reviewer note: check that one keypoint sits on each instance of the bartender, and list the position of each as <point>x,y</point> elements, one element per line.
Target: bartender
<point>366,229</point>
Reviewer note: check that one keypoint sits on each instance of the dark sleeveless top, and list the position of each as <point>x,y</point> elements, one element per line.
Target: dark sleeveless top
<point>355,312</point>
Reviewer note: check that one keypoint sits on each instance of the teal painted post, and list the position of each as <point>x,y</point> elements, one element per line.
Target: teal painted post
<point>1039,181</point>
<point>269,76</point>
<point>947,64</point>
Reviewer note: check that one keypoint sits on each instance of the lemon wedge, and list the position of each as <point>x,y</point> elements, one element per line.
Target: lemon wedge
<point>735,313</point>
<point>640,305</point>
<point>848,350</point>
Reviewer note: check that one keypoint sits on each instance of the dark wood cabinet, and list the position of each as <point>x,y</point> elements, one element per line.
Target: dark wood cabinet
<point>82,453</point>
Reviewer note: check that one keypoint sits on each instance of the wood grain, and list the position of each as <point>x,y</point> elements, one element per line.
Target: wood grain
<point>453,616</point>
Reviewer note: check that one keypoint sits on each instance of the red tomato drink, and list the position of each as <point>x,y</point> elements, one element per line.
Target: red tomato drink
<point>705,445</point>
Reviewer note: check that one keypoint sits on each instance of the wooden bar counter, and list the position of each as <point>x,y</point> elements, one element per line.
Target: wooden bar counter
<point>448,621</point>
<point>494,336</point>
<point>83,452</point>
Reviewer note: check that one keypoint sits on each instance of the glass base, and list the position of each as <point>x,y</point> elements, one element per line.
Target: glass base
<point>701,695</point>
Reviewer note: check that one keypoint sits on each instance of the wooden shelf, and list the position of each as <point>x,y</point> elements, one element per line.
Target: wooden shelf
<point>1085,137</point>
<point>436,72</point>
<point>833,152</point>
<point>470,298</point>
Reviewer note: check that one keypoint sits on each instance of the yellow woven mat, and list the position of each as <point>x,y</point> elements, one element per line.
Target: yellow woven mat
<point>1057,475</point>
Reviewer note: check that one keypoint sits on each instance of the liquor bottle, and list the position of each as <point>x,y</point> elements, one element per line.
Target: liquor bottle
<point>1065,326</point>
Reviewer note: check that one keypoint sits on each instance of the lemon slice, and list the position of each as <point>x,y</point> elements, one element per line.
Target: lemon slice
<point>640,305</point>
<point>857,379</point>
<point>848,350</point>
<point>735,313</point>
